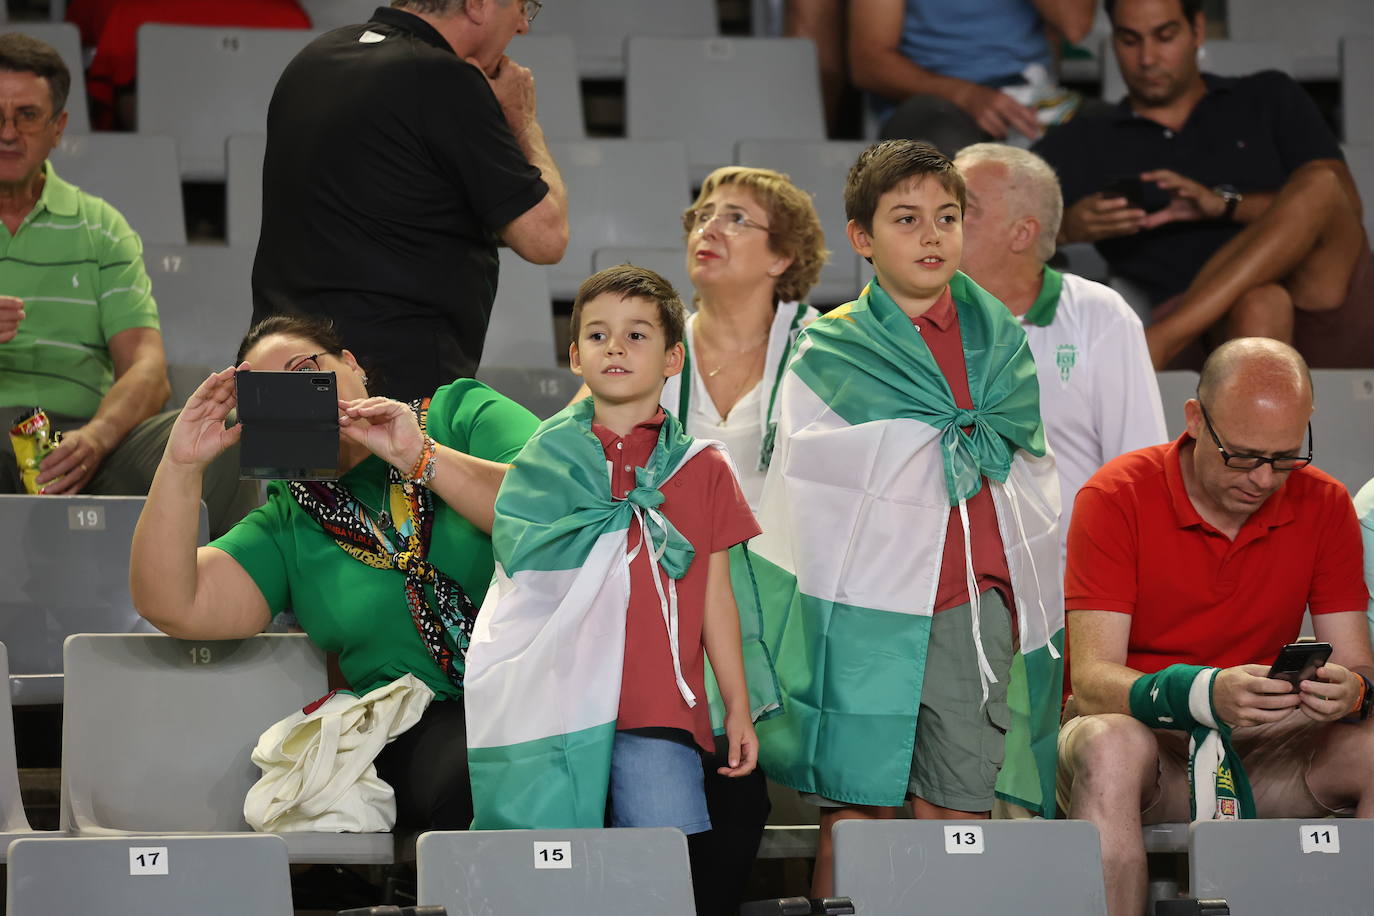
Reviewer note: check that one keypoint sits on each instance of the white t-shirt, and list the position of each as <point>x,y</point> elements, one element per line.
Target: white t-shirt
<point>1098,394</point>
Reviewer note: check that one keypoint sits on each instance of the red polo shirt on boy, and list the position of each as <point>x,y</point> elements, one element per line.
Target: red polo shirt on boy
<point>939,327</point>
<point>704,502</point>
<point>1138,546</point>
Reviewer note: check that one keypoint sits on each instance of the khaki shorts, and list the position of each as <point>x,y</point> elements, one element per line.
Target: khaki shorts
<point>1277,758</point>
<point>960,741</point>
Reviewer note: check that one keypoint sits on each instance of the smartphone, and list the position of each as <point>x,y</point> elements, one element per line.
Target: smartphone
<point>1299,661</point>
<point>1140,194</point>
<point>290,425</point>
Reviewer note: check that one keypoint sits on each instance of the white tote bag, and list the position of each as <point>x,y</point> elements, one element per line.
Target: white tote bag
<point>317,770</point>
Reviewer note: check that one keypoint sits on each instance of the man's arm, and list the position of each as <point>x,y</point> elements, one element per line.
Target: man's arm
<point>139,391</point>
<point>877,65</point>
<point>1072,19</point>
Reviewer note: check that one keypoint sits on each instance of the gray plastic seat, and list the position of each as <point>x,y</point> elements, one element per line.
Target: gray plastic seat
<point>202,84</point>
<point>204,299</point>
<point>819,169</point>
<point>1311,32</point>
<point>712,91</point>
<point>669,263</point>
<point>521,329</point>
<point>1343,425</point>
<point>66,41</point>
<point>332,14</point>
<point>1260,866</point>
<point>541,391</point>
<point>599,28</point>
<point>1224,58</point>
<point>204,875</point>
<point>14,823</point>
<point>243,189</point>
<point>65,562</point>
<point>552,60</point>
<point>136,173</point>
<point>1357,77</point>
<point>1360,159</point>
<point>622,872</point>
<point>620,193</point>
<point>900,867</point>
<point>1176,386</point>
<point>157,732</point>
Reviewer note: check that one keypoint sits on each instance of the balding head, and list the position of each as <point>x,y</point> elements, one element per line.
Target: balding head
<point>1255,369</point>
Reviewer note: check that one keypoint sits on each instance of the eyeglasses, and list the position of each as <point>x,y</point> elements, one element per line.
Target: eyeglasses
<point>1250,462</point>
<point>27,120</point>
<point>530,8</point>
<point>308,363</point>
<point>732,222</point>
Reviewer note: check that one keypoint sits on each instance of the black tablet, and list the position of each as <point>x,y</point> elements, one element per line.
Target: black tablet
<point>290,425</point>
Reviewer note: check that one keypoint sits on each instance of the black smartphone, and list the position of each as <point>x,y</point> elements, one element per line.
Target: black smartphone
<point>1299,661</point>
<point>290,425</point>
<point>1140,194</point>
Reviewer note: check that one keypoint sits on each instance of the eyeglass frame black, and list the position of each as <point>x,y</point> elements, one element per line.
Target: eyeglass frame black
<point>1259,460</point>
<point>38,125</point>
<point>312,358</point>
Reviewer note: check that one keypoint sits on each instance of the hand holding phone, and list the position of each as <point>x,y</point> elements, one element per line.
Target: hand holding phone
<point>1299,661</point>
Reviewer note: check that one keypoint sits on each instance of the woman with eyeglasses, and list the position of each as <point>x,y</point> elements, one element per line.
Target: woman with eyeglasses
<point>385,566</point>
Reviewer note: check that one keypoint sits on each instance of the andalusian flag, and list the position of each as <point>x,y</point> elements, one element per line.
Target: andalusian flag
<point>542,686</point>
<point>870,460</point>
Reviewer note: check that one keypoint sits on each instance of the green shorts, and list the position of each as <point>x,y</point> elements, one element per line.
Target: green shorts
<point>959,746</point>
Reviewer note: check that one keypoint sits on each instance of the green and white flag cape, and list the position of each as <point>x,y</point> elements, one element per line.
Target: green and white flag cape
<point>870,460</point>
<point>542,685</point>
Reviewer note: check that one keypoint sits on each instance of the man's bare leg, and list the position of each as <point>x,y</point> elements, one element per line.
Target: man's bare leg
<point>926,811</point>
<point>1342,772</point>
<point>823,878</point>
<point>1309,240</point>
<point>1265,311</point>
<point>1115,762</point>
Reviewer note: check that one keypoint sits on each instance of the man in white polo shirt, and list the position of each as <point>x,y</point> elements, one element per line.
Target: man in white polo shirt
<point>1098,394</point>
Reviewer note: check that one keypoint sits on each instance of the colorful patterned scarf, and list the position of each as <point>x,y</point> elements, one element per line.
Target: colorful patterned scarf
<point>445,626</point>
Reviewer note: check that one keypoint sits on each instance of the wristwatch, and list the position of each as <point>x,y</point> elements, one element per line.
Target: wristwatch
<point>1232,196</point>
<point>1366,707</point>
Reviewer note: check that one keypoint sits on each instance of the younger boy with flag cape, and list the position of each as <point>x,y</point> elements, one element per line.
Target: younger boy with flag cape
<point>910,531</point>
<point>586,679</point>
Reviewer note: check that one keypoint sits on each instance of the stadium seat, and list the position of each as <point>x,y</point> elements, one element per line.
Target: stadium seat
<point>541,391</point>
<point>204,296</point>
<point>137,174</point>
<point>205,875</point>
<point>600,211</point>
<point>331,14</point>
<point>156,735</point>
<point>1311,33</point>
<point>1343,425</point>
<point>599,28</point>
<point>818,168</point>
<point>1175,387</point>
<point>521,329</point>
<point>1317,866</point>
<point>624,872</point>
<point>1360,158</point>
<point>1224,58</point>
<point>792,831</point>
<point>897,867</point>
<point>1357,79</point>
<point>669,263</point>
<point>553,62</point>
<point>65,562</point>
<point>202,84</point>
<point>1082,258</point>
<point>713,91</point>
<point>243,189</point>
<point>14,823</point>
<point>65,38</point>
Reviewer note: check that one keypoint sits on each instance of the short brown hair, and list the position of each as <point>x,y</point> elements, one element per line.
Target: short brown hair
<point>21,54</point>
<point>631,282</point>
<point>794,229</point>
<point>884,166</point>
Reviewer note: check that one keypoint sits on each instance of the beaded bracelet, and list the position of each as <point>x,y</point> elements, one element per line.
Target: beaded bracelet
<point>422,472</point>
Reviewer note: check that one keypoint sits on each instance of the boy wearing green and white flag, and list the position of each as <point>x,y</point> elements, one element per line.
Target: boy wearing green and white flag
<point>909,566</point>
<point>586,679</point>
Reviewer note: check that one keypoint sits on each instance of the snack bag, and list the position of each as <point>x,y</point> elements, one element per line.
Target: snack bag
<point>33,438</point>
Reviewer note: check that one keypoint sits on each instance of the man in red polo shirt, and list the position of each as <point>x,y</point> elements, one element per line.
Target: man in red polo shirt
<point>1205,552</point>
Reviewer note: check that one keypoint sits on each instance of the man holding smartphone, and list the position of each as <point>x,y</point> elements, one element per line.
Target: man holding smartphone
<point>1189,566</point>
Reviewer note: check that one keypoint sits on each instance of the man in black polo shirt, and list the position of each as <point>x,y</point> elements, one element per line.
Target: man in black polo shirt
<point>1249,223</point>
<point>400,154</point>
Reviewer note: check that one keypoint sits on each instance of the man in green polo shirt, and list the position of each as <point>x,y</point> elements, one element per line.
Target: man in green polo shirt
<point>78,324</point>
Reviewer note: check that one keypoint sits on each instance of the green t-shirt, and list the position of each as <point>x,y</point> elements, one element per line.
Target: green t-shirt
<point>79,269</point>
<point>354,609</point>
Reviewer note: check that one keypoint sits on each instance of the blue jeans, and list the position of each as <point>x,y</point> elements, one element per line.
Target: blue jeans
<point>657,782</point>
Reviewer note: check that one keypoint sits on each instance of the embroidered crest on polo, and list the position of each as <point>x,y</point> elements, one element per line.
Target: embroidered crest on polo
<point>370,37</point>
<point>1065,357</point>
